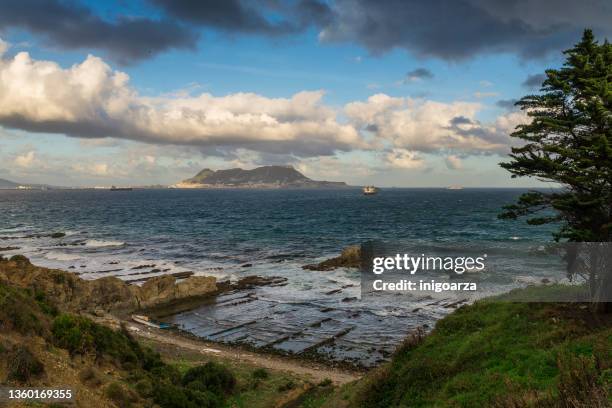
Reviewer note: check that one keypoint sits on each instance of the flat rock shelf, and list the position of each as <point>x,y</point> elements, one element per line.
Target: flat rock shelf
<point>344,333</point>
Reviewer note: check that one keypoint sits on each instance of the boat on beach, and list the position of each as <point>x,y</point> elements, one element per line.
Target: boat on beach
<point>370,190</point>
<point>147,321</point>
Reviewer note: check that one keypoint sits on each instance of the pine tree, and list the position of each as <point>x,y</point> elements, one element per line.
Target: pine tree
<point>569,142</point>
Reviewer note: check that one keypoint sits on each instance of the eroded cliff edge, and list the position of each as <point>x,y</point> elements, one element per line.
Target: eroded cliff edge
<point>108,294</point>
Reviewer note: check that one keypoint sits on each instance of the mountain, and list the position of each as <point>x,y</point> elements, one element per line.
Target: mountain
<point>260,177</point>
<point>6,184</point>
<point>11,185</point>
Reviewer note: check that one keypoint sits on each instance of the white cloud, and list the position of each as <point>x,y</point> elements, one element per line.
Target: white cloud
<point>404,159</point>
<point>25,160</point>
<point>429,126</point>
<point>453,162</point>
<point>91,100</point>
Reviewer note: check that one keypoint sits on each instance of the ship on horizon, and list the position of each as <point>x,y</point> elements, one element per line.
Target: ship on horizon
<point>369,190</point>
<point>115,188</point>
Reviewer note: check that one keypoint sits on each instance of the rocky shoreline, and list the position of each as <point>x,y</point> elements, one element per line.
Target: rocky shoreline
<point>113,295</point>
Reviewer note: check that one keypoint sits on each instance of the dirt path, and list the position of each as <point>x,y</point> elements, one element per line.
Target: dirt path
<point>315,372</point>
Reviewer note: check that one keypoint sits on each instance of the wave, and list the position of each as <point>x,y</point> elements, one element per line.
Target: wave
<point>94,243</point>
<point>61,256</point>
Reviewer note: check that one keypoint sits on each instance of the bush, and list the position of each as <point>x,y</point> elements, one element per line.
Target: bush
<point>261,374</point>
<point>168,373</point>
<point>43,303</point>
<point>18,312</point>
<point>120,395</point>
<point>80,335</point>
<point>210,377</point>
<point>172,396</point>
<point>23,365</point>
<point>288,385</point>
<point>90,376</point>
<point>144,387</point>
<point>325,382</point>
<point>20,260</point>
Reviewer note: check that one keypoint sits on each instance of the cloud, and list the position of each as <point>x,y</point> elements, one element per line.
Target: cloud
<point>419,74</point>
<point>534,81</point>
<point>404,159</point>
<point>249,17</point>
<point>453,162</point>
<point>90,100</point>
<point>73,26</point>
<point>460,29</point>
<point>25,160</point>
<point>508,104</point>
<point>431,127</point>
<point>4,46</point>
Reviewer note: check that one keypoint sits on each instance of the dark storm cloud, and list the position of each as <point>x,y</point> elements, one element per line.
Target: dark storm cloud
<point>460,120</point>
<point>458,29</point>
<point>249,16</point>
<point>534,81</point>
<point>508,104</point>
<point>70,25</point>
<point>419,73</point>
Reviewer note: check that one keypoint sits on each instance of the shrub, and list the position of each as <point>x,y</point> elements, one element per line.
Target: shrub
<point>325,382</point>
<point>144,387</point>
<point>261,374</point>
<point>23,365</point>
<point>210,377</point>
<point>20,260</point>
<point>90,376</point>
<point>171,396</point>
<point>43,303</point>
<point>286,386</point>
<point>18,312</point>
<point>168,373</point>
<point>120,395</point>
<point>80,335</point>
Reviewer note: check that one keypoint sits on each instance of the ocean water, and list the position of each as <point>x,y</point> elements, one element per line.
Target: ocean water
<point>234,233</point>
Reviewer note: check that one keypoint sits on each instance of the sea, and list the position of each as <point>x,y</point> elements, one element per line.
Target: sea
<point>231,234</point>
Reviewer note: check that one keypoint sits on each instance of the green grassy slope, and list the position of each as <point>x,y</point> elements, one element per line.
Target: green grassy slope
<point>497,353</point>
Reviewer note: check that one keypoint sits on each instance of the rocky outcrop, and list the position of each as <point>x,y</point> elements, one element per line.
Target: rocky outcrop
<point>164,289</point>
<point>109,294</point>
<point>349,258</point>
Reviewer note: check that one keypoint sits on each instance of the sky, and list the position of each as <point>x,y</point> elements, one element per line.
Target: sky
<point>397,93</point>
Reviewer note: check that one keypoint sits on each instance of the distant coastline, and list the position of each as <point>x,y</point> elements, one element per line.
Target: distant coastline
<point>265,177</point>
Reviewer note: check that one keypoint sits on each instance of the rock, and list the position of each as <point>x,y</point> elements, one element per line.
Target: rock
<point>349,258</point>
<point>9,248</point>
<point>164,289</point>
<point>196,286</point>
<point>111,294</point>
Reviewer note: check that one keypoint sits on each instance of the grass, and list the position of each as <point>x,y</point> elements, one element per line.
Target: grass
<point>497,353</point>
<point>255,387</point>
